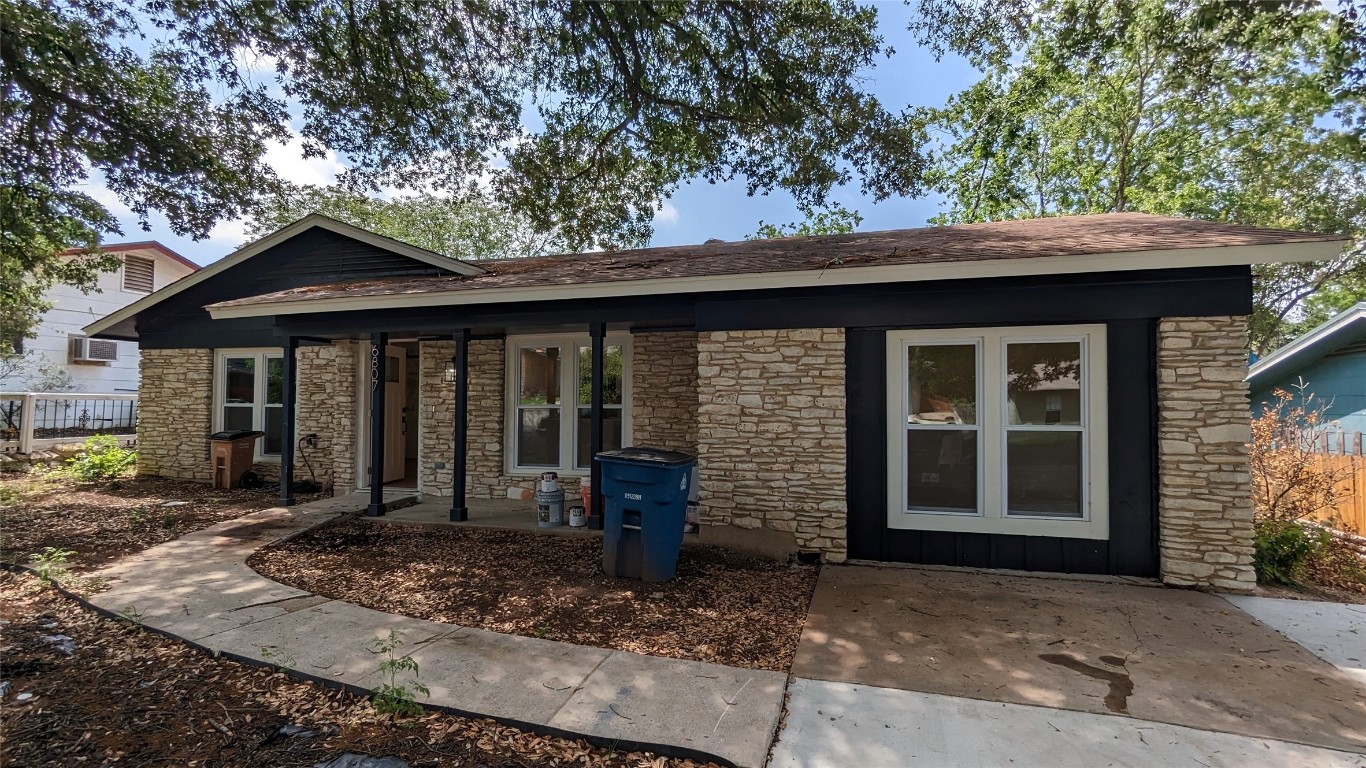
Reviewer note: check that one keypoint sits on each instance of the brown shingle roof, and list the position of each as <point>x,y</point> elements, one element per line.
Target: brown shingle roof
<point>1021,239</point>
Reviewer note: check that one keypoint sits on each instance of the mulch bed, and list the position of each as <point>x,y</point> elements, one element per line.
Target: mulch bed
<point>130,696</point>
<point>110,520</point>
<point>722,607</point>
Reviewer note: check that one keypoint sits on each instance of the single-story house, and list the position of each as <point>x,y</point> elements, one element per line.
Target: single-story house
<point>1330,362</point>
<point>1063,394</point>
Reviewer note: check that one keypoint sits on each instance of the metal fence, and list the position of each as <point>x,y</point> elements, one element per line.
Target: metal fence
<point>32,421</point>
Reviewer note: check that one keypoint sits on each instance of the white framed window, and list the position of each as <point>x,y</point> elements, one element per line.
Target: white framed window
<point>549,397</point>
<point>139,274</point>
<point>998,430</point>
<point>248,393</point>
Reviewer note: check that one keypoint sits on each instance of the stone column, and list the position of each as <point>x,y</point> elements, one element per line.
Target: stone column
<point>1204,425</point>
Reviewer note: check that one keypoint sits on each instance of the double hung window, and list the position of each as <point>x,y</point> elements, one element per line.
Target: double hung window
<point>998,430</point>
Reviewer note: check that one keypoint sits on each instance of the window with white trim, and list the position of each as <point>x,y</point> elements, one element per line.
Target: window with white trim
<point>550,401</point>
<point>249,394</point>
<point>998,430</point>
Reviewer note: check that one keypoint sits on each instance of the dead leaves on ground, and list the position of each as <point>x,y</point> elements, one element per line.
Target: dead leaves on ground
<point>722,607</point>
<point>140,699</point>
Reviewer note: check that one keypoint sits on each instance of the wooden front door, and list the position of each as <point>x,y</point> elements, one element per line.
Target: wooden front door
<point>395,400</point>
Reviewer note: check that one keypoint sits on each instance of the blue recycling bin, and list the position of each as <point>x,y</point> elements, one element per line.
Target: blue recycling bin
<point>645,500</point>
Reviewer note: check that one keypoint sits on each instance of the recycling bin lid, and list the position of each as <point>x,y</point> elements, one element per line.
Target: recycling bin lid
<point>649,455</point>
<point>235,434</point>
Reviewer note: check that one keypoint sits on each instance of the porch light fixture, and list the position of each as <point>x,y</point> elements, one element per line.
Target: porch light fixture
<point>449,374</point>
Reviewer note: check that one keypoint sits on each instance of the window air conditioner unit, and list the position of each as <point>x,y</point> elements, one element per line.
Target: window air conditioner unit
<point>84,350</point>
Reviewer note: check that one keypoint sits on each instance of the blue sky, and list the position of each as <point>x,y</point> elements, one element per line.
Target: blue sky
<point>697,211</point>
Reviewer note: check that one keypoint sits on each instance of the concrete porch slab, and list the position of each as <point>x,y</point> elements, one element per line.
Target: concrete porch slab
<point>510,514</point>
<point>834,725</point>
<point>1152,653</point>
<point>1335,632</point>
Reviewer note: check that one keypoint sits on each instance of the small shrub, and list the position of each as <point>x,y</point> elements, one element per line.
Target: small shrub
<point>102,459</point>
<point>50,563</point>
<point>393,697</point>
<point>1281,549</point>
<point>1291,486</point>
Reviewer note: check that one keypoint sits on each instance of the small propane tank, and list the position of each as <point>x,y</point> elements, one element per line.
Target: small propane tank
<point>550,508</point>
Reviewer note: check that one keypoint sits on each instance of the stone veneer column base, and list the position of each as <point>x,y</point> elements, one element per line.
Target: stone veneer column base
<point>1204,425</point>
<point>771,440</point>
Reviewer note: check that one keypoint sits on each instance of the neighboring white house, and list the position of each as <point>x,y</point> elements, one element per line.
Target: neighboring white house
<point>101,365</point>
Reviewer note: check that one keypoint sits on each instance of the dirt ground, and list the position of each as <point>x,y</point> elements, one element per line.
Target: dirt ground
<point>1167,655</point>
<point>722,607</point>
<point>129,696</point>
<point>104,522</point>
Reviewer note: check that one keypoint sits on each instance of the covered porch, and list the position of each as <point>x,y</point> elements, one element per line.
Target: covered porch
<point>481,411</point>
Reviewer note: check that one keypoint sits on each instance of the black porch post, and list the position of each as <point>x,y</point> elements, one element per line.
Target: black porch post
<point>459,511</point>
<point>288,396</point>
<point>598,331</point>
<point>378,341</point>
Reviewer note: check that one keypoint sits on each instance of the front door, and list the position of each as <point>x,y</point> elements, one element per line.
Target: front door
<point>395,402</point>
<point>395,398</point>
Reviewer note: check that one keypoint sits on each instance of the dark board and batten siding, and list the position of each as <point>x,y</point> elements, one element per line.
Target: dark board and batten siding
<point>1132,547</point>
<point>314,257</point>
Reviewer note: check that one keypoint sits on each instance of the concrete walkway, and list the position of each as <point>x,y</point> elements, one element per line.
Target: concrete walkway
<point>834,725</point>
<point>199,587</point>
<point>1335,632</point>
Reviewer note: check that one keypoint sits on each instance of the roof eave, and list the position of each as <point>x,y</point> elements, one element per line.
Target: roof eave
<point>1311,346</point>
<point>1017,267</point>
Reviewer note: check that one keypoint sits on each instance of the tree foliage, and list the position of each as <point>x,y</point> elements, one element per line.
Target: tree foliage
<point>1088,107</point>
<point>470,227</point>
<point>581,114</point>
<point>834,220</point>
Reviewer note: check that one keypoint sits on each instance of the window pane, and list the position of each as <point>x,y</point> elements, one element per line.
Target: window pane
<point>611,434</point>
<point>1044,382</point>
<point>538,437</point>
<point>1043,474</point>
<point>942,384</point>
<point>611,375</point>
<point>236,417</point>
<point>941,470</point>
<point>240,380</point>
<point>540,376</point>
<point>275,380</point>
<point>274,429</point>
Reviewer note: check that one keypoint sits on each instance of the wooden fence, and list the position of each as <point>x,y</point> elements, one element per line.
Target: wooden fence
<point>1351,491</point>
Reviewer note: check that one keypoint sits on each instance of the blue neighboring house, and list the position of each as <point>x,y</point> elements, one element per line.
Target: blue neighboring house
<point>1330,360</point>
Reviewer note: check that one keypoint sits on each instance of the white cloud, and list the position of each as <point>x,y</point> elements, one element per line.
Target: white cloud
<point>289,162</point>
<point>667,213</point>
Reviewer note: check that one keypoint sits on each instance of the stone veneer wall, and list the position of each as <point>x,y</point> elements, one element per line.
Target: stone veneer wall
<point>327,407</point>
<point>664,391</point>
<point>485,478</point>
<point>175,405</point>
<point>1205,486</point>
<point>771,439</point>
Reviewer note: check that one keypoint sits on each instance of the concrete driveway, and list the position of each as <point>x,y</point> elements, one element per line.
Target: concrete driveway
<point>1123,651</point>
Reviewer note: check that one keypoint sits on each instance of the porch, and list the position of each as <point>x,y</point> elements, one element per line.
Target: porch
<point>505,514</point>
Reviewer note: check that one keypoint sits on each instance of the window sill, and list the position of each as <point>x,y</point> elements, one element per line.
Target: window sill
<point>1098,529</point>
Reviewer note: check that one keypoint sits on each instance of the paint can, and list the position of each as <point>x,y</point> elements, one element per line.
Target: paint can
<point>550,509</point>
<point>550,482</point>
<point>577,519</point>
